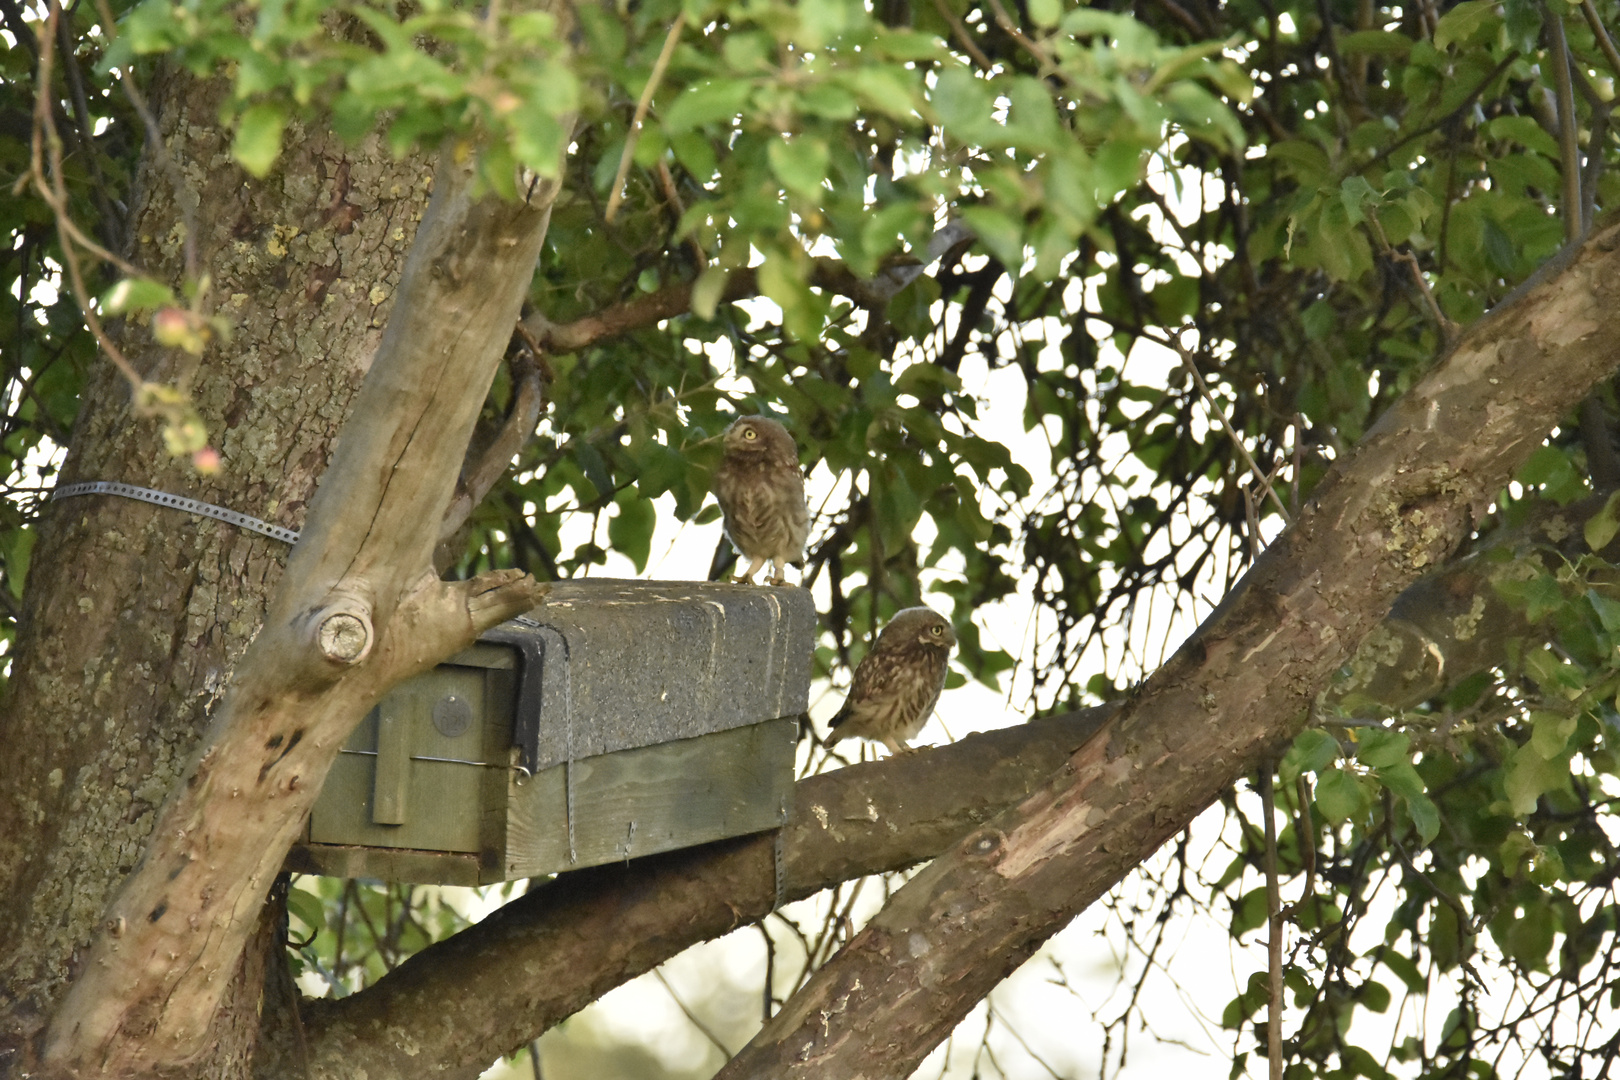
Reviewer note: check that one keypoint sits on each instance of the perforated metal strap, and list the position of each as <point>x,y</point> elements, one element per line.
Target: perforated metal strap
<point>177,502</point>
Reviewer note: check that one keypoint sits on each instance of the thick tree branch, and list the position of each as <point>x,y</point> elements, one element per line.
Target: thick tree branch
<point>1237,691</point>
<point>1457,621</point>
<point>357,611</point>
<point>452,1008</point>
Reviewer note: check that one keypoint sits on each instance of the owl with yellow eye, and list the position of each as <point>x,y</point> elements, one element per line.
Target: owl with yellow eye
<point>761,493</point>
<point>898,683</point>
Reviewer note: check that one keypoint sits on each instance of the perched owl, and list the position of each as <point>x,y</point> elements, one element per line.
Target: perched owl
<point>761,493</point>
<point>898,682</point>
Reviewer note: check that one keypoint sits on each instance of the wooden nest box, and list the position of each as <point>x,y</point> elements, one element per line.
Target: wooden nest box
<point>621,718</point>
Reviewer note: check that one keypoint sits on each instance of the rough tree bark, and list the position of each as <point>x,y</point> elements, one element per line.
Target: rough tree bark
<point>358,610</point>
<point>1236,692</point>
<point>135,615</point>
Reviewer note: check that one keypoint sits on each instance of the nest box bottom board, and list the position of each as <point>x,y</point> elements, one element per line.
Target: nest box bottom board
<point>595,810</point>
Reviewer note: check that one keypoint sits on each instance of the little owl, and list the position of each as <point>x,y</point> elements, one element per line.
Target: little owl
<point>897,683</point>
<point>761,493</point>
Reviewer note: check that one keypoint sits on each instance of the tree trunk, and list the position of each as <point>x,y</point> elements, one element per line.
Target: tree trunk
<point>136,614</point>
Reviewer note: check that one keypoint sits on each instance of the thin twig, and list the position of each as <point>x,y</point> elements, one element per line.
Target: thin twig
<point>1462,108</point>
<point>1012,30</point>
<point>52,188</point>
<point>1605,42</point>
<point>1274,981</point>
<point>1594,170</point>
<point>960,30</point>
<point>1602,464</point>
<point>83,132</point>
<point>667,180</point>
<point>1568,140</point>
<point>1214,407</point>
<point>690,1015</point>
<point>1448,329</point>
<point>154,139</point>
<point>630,140</point>
<point>770,971</point>
<point>1019,1038</point>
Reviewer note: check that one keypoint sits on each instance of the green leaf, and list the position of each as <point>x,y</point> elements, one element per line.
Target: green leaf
<point>711,101</point>
<point>1249,911</point>
<point>707,291</point>
<point>19,550</point>
<point>1380,747</point>
<point>659,468</point>
<point>307,907</point>
<point>258,138</point>
<point>1529,777</point>
<point>800,164</point>
<point>1313,751</point>
<point>537,141</point>
<point>136,294</point>
<point>1460,23</point>
<point>998,232</point>
<point>1550,732</point>
<point>1547,869</point>
<point>1355,193</point>
<point>1339,796</point>
<point>910,45</point>
<point>1403,780</point>
<point>965,104</point>
<point>1529,939</point>
<point>1404,969</point>
<point>630,530</point>
<point>1608,611</point>
<point>1045,12</point>
<point>1542,595</point>
<point>1601,526</point>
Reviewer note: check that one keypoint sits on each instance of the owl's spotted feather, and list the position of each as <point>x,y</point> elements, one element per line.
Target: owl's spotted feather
<point>761,494</point>
<point>898,683</point>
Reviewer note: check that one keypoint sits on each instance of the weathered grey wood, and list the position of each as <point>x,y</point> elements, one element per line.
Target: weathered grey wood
<point>651,799</point>
<point>633,663</point>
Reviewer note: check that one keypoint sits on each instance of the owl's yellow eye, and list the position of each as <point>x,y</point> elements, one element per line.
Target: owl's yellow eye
<point>936,630</point>
<point>750,433</point>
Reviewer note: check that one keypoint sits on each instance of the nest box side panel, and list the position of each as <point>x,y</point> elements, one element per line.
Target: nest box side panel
<point>414,773</point>
<point>651,799</point>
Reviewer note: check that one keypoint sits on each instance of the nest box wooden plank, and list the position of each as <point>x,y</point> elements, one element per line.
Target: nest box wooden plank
<point>621,718</point>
